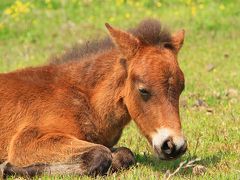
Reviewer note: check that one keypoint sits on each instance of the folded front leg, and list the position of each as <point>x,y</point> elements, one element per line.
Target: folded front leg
<point>33,151</point>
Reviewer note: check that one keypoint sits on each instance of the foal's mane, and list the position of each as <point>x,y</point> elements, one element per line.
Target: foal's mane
<point>149,32</point>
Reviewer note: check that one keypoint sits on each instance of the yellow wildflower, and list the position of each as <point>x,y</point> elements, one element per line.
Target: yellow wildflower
<point>8,11</point>
<point>201,6</point>
<point>119,2</point>
<point>158,4</point>
<point>127,15</point>
<point>193,10</point>
<point>222,7</point>
<point>17,9</point>
<point>21,7</point>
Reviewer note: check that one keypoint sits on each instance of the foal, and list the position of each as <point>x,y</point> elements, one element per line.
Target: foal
<point>64,118</point>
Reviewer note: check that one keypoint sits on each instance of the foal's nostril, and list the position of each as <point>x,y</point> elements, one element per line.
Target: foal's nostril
<point>168,147</point>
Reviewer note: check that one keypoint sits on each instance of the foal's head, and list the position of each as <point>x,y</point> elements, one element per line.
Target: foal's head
<point>152,88</point>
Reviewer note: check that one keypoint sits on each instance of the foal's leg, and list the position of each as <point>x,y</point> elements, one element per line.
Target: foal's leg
<point>123,158</point>
<point>56,153</point>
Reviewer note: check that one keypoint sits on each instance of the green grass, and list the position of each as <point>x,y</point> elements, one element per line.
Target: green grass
<point>212,37</point>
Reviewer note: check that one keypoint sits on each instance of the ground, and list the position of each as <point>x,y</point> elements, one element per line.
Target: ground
<point>32,31</point>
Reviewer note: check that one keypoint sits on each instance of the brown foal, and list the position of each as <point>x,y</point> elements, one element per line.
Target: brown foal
<point>65,117</point>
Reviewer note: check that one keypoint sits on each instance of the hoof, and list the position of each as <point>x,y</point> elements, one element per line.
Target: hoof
<point>97,161</point>
<point>123,158</point>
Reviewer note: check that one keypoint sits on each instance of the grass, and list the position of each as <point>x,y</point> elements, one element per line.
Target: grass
<point>35,30</point>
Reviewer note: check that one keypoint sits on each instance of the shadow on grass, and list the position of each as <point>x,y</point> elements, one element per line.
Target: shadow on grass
<point>162,166</point>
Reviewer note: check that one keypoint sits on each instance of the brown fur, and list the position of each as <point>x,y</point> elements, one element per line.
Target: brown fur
<point>60,112</point>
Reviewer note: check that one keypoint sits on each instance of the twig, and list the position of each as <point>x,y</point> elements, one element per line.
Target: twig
<point>191,163</point>
<point>183,165</point>
<point>168,175</point>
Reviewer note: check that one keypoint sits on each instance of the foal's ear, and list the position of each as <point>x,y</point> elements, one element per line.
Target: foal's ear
<point>178,39</point>
<point>127,43</point>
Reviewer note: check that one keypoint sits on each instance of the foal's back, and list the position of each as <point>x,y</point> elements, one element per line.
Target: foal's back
<point>22,92</point>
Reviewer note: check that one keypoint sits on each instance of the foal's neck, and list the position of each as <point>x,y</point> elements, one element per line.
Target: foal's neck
<point>95,71</point>
<point>102,79</point>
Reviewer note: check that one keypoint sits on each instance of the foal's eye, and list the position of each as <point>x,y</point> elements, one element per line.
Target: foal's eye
<point>144,93</point>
